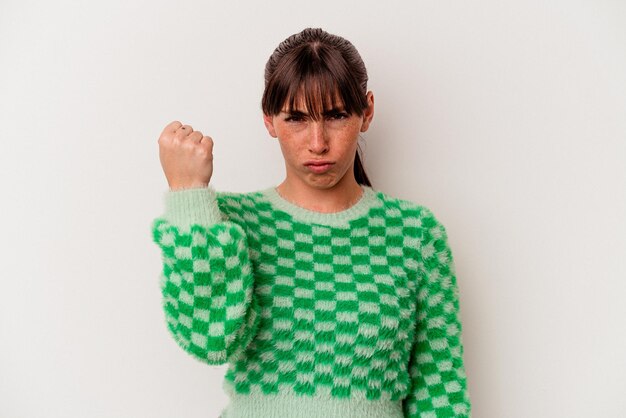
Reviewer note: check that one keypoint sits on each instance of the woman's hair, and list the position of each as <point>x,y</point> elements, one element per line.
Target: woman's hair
<point>320,68</point>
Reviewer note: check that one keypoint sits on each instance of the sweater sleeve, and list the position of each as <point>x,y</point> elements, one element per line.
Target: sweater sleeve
<point>436,367</point>
<point>207,278</point>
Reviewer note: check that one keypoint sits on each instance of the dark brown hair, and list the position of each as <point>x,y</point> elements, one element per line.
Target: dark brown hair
<point>323,67</point>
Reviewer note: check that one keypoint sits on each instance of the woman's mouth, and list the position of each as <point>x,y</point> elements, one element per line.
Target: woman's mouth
<point>319,168</point>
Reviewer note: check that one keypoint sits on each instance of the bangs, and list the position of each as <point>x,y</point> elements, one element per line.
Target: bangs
<point>316,78</point>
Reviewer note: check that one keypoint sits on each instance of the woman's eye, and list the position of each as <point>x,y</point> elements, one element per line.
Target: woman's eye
<point>339,116</point>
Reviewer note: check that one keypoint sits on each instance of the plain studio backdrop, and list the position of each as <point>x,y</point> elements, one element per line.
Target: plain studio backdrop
<point>507,119</point>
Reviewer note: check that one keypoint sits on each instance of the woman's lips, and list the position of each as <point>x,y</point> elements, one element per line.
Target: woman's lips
<point>318,168</point>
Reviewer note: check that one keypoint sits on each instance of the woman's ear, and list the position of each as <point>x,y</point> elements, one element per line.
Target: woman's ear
<point>269,124</point>
<point>368,114</point>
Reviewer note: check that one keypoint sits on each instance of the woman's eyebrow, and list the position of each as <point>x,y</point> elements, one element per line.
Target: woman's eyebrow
<point>295,112</point>
<point>334,110</point>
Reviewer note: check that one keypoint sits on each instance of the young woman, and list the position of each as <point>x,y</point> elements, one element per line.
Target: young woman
<point>325,297</point>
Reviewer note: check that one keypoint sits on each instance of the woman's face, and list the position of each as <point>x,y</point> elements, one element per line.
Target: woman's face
<point>333,139</point>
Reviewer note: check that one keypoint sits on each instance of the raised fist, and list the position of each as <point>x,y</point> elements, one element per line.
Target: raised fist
<point>186,156</point>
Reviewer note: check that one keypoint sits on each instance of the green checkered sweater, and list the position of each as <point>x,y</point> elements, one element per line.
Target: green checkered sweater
<point>346,314</point>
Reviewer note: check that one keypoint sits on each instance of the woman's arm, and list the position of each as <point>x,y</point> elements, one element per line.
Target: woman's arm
<point>438,380</point>
<point>207,278</point>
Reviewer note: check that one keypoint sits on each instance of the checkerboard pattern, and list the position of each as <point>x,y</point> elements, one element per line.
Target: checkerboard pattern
<point>361,309</point>
<point>207,289</point>
<point>438,380</point>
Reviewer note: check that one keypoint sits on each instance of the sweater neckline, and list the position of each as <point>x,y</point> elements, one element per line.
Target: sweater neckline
<point>367,200</point>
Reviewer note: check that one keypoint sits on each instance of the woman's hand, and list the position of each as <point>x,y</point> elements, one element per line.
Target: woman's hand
<point>186,156</point>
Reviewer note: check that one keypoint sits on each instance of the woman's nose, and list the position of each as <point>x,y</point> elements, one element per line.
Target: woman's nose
<point>317,137</point>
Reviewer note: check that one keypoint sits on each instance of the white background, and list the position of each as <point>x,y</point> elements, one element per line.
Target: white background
<point>507,119</point>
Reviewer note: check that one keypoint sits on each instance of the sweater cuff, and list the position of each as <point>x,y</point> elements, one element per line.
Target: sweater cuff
<point>193,206</point>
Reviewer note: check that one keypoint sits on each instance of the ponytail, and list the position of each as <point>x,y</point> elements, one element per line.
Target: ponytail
<point>359,171</point>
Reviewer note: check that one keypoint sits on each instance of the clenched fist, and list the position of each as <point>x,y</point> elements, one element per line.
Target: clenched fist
<point>186,156</point>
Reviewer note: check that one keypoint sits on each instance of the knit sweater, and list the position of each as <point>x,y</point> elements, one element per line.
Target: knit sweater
<point>346,314</point>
